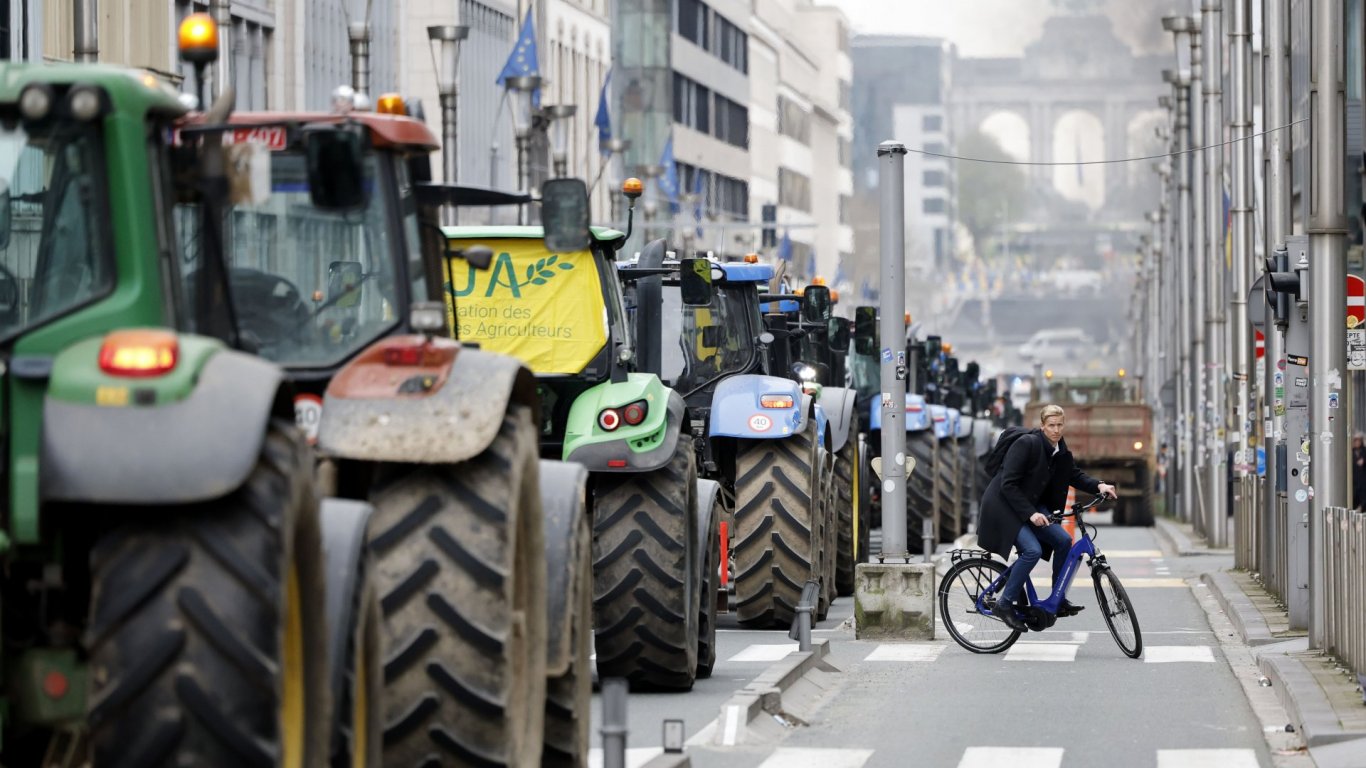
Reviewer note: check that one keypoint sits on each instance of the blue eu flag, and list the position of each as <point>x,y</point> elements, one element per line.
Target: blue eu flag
<point>522,61</point>
<point>668,183</point>
<point>604,118</point>
<point>785,248</point>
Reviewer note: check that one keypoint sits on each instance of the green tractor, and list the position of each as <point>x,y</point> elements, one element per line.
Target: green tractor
<point>655,524</point>
<point>165,574</point>
<point>480,557</point>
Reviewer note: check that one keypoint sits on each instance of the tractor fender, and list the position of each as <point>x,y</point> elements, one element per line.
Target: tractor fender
<point>963,426</point>
<point>736,410</point>
<point>199,448</point>
<point>919,415</point>
<point>943,429</point>
<point>838,403</point>
<point>564,488</point>
<point>812,406</point>
<point>344,524</point>
<point>707,491</point>
<point>587,444</point>
<point>453,423</point>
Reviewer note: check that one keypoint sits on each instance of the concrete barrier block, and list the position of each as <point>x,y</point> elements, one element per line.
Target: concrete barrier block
<point>894,601</point>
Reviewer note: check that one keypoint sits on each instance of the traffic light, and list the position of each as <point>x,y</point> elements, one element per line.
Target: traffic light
<point>1281,286</point>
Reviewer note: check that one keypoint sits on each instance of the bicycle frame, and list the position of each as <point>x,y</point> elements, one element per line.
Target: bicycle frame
<point>1080,548</point>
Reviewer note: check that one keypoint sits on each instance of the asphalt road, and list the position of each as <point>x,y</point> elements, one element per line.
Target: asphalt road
<point>1066,697</point>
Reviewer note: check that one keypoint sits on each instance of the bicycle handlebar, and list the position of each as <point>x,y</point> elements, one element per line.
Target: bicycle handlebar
<point>1077,509</point>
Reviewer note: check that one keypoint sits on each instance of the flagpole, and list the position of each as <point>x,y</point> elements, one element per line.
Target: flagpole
<point>493,148</point>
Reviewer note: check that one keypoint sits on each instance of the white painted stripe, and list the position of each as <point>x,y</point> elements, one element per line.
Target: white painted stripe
<point>760,652</point>
<point>906,652</point>
<point>1206,758</point>
<point>1042,652</point>
<point>732,726</point>
<point>1152,583</point>
<point>1111,554</point>
<point>1356,301</point>
<point>1163,654</point>
<point>635,757</point>
<point>1073,637</point>
<point>790,757</point>
<point>1011,757</point>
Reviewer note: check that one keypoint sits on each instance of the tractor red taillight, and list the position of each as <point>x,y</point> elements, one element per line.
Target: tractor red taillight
<point>634,413</point>
<point>609,420</point>
<point>403,355</point>
<point>776,401</point>
<point>139,353</point>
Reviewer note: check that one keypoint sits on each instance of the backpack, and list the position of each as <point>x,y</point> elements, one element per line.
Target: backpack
<point>997,457</point>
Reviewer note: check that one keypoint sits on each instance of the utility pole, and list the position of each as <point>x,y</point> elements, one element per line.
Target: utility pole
<point>1277,220</point>
<point>1215,427</point>
<point>1240,207</point>
<point>221,10</point>
<point>1327,296</point>
<point>1199,274</point>
<point>891,180</point>
<point>359,34</point>
<point>1184,255</point>
<point>87,29</point>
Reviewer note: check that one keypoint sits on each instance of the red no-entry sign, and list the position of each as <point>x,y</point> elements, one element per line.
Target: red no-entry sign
<point>1261,345</point>
<point>1356,301</point>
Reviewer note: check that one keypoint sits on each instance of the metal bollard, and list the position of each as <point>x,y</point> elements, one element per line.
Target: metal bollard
<point>801,623</point>
<point>927,537</point>
<point>614,690</point>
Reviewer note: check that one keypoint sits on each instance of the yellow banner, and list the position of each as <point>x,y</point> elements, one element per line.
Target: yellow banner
<point>545,309</point>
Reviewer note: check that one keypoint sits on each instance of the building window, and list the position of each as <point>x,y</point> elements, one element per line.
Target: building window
<point>732,44</point>
<point>794,190</point>
<point>846,152</point>
<point>692,104</point>
<point>732,122</point>
<point>718,194</point>
<point>932,123</point>
<point>933,205</point>
<point>692,20</point>
<point>932,179</point>
<point>793,121</point>
<point>844,209</point>
<point>845,95</point>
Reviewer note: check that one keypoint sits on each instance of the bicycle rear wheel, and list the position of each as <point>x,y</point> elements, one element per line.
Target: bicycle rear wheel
<point>960,595</point>
<point>1118,611</point>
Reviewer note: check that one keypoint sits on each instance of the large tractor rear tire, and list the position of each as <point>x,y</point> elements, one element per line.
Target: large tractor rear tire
<point>359,716</point>
<point>920,486</point>
<point>568,701</point>
<point>645,573</point>
<point>777,545</point>
<point>460,566</point>
<point>711,583</point>
<point>206,622</point>
<point>948,490</point>
<point>847,479</point>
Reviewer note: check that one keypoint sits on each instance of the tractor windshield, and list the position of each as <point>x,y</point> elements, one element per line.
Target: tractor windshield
<point>310,287</point>
<point>55,250</point>
<point>712,341</point>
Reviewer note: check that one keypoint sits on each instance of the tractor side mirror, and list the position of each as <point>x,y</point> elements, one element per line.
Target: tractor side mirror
<point>694,278</point>
<point>478,256</point>
<point>933,346</point>
<point>865,330</point>
<point>343,283</point>
<point>564,212</point>
<point>816,304</point>
<point>711,336</point>
<point>336,167</point>
<point>838,331</point>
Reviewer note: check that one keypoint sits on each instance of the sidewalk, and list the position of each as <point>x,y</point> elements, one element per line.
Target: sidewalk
<point>1323,702</point>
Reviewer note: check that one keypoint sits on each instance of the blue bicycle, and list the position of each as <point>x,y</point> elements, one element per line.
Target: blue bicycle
<point>967,595</point>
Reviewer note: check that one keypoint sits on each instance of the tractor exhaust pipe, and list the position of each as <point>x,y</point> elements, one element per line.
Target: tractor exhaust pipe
<point>87,40</point>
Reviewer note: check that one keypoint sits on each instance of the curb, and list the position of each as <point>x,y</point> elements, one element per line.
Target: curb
<point>783,697</point>
<point>1306,703</point>
<point>1240,610</point>
<point>669,760</point>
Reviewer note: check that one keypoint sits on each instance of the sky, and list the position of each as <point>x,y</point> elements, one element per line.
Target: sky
<point>998,27</point>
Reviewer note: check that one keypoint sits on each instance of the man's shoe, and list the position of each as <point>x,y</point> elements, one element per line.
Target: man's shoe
<point>1068,609</point>
<point>1006,613</point>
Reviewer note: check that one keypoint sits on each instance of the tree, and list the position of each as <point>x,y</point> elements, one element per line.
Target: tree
<point>987,191</point>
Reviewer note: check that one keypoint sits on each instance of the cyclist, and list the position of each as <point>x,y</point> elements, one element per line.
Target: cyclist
<point>1033,479</point>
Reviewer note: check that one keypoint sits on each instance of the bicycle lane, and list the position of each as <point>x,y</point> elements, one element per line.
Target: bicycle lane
<point>1064,697</point>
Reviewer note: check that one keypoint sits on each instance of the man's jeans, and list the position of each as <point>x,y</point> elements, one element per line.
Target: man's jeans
<point>1030,551</point>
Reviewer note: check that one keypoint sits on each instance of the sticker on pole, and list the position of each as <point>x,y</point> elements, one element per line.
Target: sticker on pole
<point>886,354</point>
<point>1356,349</point>
<point>760,423</point>
<point>308,414</point>
<point>1301,495</point>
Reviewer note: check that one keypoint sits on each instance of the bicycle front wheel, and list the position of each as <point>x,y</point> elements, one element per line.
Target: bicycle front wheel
<point>960,600</point>
<point>1118,611</point>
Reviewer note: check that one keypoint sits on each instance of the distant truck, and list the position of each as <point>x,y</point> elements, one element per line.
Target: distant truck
<point>1110,431</point>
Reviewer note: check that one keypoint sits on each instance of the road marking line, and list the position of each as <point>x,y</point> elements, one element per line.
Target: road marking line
<point>906,652</point>
<point>1015,757</point>
<point>635,757</point>
<point>1151,583</point>
<point>1043,652</point>
<point>792,757</point>
<point>1074,637</point>
<point>761,652</point>
<point>1149,553</point>
<point>732,725</point>
<point>1206,758</point>
<point>1162,654</point>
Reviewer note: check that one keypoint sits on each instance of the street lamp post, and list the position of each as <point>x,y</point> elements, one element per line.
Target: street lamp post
<point>359,34</point>
<point>558,117</point>
<point>444,41</point>
<point>1216,461</point>
<point>521,90</point>
<point>221,10</point>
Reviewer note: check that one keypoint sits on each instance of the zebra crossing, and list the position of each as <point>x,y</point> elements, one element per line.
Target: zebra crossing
<point>1044,650</point>
<point>973,757</point>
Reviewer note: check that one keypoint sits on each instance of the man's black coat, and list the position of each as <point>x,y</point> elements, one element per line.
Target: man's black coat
<point>1030,476</point>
